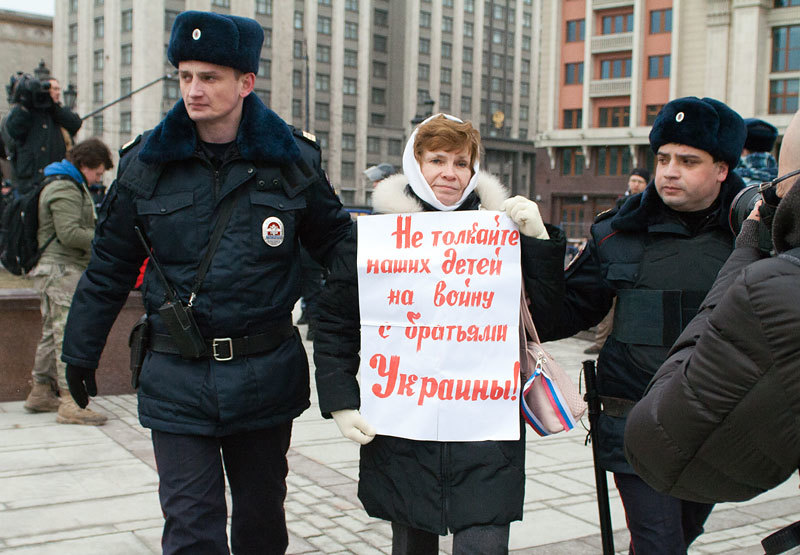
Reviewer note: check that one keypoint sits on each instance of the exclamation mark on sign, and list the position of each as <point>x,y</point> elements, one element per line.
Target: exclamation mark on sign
<point>516,380</point>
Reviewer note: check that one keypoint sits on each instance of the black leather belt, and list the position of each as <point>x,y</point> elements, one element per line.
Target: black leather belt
<point>616,406</point>
<point>228,348</point>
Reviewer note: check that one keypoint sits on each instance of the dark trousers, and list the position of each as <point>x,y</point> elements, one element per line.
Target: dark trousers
<point>490,539</point>
<point>659,523</point>
<point>192,491</point>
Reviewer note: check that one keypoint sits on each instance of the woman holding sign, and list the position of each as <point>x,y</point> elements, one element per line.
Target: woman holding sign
<point>474,489</point>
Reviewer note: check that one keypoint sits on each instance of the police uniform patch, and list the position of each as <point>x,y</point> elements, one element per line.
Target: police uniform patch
<point>679,117</point>
<point>196,34</point>
<point>272,231</point>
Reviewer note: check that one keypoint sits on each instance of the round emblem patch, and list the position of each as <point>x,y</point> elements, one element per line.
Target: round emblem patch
<point>679,117</point>
<point>272,231</point>
<point>196,34</point>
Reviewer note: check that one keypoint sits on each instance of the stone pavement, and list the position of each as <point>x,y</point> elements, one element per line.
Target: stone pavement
<point>92,491</point>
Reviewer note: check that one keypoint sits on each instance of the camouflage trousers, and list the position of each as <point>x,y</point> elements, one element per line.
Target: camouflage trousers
<point>56,284</point>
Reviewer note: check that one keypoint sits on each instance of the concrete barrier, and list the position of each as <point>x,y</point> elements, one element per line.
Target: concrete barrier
<point>21,327</point>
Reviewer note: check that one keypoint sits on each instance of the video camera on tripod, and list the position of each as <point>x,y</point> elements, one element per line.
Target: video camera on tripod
<point>26,90</point>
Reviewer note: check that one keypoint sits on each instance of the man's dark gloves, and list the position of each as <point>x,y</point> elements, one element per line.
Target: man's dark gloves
<point>81,384</point>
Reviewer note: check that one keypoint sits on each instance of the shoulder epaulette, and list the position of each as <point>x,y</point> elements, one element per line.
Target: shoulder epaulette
<point>306,136</point>
<point>605,214</point>
<point>129,145</point>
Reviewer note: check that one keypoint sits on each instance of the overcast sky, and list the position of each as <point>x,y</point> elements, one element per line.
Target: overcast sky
<point>44,7</point>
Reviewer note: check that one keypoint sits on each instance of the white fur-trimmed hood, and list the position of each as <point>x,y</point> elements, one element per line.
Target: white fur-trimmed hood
<point>390,196</point>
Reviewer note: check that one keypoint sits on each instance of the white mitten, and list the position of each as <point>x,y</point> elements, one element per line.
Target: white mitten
<point>353,426</point>
<point>525,214</point>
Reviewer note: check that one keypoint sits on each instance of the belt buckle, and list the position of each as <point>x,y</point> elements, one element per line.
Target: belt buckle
<point>222,341</point>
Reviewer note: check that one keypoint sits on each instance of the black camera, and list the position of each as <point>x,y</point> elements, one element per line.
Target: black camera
<point>26,90</point>
<point>743,203</point>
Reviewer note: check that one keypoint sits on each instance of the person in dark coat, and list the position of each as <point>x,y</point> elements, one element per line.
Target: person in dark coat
<point>658,255</point>
<point>227,412</point>
<point>718,421</point>
<point>38,130</point>
<point>427,488</point>
<point>757,163</point>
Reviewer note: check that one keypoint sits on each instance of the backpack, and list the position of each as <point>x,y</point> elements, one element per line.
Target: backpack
<point>19,246</point>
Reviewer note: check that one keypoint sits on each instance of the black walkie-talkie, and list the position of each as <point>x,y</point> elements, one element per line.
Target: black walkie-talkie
<point>176,316</point>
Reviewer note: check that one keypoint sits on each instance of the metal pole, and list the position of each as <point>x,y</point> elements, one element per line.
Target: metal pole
<point>593,402</point>
<point>308,85</point>
<point>133,92</point>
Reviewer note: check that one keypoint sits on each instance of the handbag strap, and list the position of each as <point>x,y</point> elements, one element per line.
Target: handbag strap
<point>527,319</point>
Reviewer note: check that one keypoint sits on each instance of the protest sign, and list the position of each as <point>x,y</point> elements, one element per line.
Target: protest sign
<point>439,301</point>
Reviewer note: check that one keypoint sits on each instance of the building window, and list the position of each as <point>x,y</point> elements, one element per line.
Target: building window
<point>323,54</point>
<point>786,48</point>
<point>447,24</point>
<point>469,29</point>
<point>381,18</point>
<point>297,108</point>
<point>125,86</point>
<point>298,21</point>
<point>615,69</point>
<point>379,43</point>
<point>423,72</point>
<point>172,90</point>
<point>322,138</point>
<point>322,111</point>
<point>169,18</point>
<point>572,161</point>
<point>424,46</point>
<point>447,3</point>
<point>497,84</point>
<point>324,25</point>
<point>467,54</point>
<point>264,7</point>
<point>498,36</point>
<point>576,29</point>
<point>351,58</point>
<point>324,2</point>
<point>126,21</point>
<point>348,141</point>
<point>348,169</point>
<point>267,37</point>
<point>73,33</point>
<point>466,104</point>
<point>616,116</point>
<point>351,30</point>
<point>99,28</point>
<point>613,160</point>
<point>349,85</point>
<point>126,54</point>
<point>72,64</point>
<point>523,113</point>
<point>783,94</point>
<point>651,111</point>
<point>377,118</point>
<point>348,114</point>
<point>526,42</point>
<point>221,3</point>
<point>466,79</point>
<point>425,20</point>
<point>497,61</point>
<point>97,91</point>
<point>73,6</point>
<point>322,82</point>
<point>374,145</point>
<point>379,69</point>
<point>786,3</point>
<point>573,73</point>
<point>661,21</point>
<point>98,59</point>
<point>265,67</point>
<point>264,95</point>
<point>378,95</point>
<point>446,75</point>
<point>658,67</point>
<point>498,12</point>
<point>619,23</point>
<point>395,147</point>
<point>469,6</point>
<point>573,119</point>
<point>351,5</point>
<point>524,88</point>
<point>444,101</point>
<point>297,50</point>
<point>297,78</point>
<point>97,125</point>
<point>125,122</point>
<point>447,50</point>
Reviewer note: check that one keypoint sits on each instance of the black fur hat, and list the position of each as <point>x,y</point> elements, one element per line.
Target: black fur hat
<point>225,40</point>
<point>705,123</point>
<point>760,135</point>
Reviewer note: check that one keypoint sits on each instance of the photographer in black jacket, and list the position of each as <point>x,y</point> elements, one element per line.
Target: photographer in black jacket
<point>38,130</point>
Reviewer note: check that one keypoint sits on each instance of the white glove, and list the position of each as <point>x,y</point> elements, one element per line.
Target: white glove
<point>353,426</point>
<point>525,214</point>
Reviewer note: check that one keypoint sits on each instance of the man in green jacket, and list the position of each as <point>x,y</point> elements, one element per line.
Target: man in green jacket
<point>66,226</point>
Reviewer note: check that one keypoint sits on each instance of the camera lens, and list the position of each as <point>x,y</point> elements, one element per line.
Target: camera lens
<point>743,203</point>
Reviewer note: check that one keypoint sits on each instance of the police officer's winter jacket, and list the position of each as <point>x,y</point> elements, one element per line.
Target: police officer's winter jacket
<point>428,485</point>
<point>35,139</point>
<point>719,420</point>
<point>168,187</point>
<point>659,268</point>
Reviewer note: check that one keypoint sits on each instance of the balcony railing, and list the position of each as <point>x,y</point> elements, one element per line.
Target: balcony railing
<point>606,4</point>
<point>610,87</point>
<point>612,43</point>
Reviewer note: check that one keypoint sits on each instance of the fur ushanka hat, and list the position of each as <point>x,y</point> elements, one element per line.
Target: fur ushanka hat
<point>761,135</point>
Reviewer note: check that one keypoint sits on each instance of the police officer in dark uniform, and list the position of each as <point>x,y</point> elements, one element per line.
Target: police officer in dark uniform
<point>658,255</point>
<point>218,151</point>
